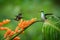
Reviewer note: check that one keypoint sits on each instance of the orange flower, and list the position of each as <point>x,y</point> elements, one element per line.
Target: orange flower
<point>16,38</point>
<point>12,33</point>
<point>4,22</point>
<point>7,33</point>
<point>1,23</point>
<point>24,24</point>
<point>17,29</point>
<point>21,22</point>
<point>4,28</point>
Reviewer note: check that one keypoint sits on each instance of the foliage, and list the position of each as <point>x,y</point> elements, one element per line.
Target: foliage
<point>48,30</point>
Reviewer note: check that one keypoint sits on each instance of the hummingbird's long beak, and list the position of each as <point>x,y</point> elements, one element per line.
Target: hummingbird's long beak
<point>48,14</point>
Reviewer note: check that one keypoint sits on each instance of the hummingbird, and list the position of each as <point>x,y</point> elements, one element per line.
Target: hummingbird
<point>43,15</point>
<point>18,17</point>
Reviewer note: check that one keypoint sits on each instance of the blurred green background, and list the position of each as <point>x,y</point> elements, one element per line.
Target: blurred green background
<point>31,9</point>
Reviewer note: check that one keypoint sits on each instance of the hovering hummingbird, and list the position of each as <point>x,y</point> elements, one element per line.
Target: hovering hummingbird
<point>43,16</point>
<point>18,17</point>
